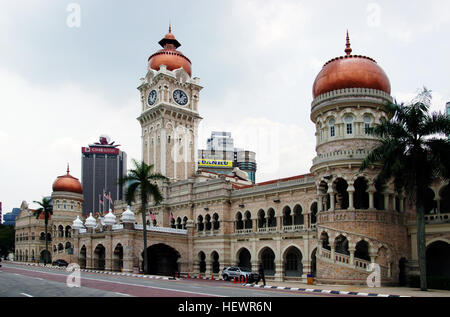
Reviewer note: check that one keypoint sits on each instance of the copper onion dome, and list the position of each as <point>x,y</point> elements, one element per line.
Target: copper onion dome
<point>67,183</point>
<point>169,55</point>
<point>351,71</point>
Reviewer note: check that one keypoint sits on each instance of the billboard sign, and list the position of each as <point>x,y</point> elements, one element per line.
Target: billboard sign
<point>100,150</point>
<point>215,163</point>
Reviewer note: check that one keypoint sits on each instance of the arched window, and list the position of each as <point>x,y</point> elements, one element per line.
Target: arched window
<point>216,223</point>
<point>340,186</point>
<point>239,222</point>
<point>348,119</point>
<point>248,220</point>
<point>208,222</point>
<point>367,122</point>
<point>298,215</point>
<point>287,217</point>
<point>331,124</point>
<point>261,219</point>
<point>272,221</point>
<point>179,224</point>
<point>60,231</point>
<point>68,245</point>
<point>68,231</point>
<point>185,219</point>
<point>200,224</point>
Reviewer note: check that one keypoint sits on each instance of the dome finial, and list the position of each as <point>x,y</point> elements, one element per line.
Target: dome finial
<point>68,170</point>
<point>348,50</point>
<point>170,27</point>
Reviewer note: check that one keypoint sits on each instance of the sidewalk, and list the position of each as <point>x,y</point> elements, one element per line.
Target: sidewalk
<point>360,289</point>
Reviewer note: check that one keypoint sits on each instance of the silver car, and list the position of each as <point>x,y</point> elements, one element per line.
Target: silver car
<point>229,273</point>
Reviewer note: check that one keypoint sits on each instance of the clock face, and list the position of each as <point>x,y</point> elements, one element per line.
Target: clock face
<point>152,97</point>
<point>180,97</point>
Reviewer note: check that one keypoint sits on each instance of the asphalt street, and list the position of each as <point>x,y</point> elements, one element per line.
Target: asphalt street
<point>25,281</point>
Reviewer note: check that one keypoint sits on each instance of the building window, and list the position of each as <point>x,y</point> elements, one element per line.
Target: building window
<point>367,121</point>
<point>349,124</point>
<point>332,122</point>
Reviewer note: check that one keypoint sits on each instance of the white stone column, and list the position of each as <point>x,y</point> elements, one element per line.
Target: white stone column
<point>350,190</point>
<point>332,198</point>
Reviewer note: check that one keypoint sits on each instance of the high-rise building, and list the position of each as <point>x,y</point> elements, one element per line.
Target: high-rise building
<point>10,218</point>
<point>447,108</point>
<point>0,212</point>
<point>222,157</point>
<point>101,167</point>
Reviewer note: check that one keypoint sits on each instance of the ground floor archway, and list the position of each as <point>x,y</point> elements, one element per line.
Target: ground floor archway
<point>438,265</point>
<point>162,260</point>
<point>99,257</point>
<point>45,257</point>
<point>293,262</point>
<point>245,259</point>
<point>82,258</point>
<point>118,258</point>
<point>268,261</point>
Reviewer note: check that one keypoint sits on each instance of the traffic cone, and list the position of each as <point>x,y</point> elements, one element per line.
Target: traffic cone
<point>200,275</point>
<point>212,276</point>
<point>188,275</point>
<point>234,280</point>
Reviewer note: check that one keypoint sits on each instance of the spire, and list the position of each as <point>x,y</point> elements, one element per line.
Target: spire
<point>68,170</point>
<point>170,27</point>
<point>348,50</point>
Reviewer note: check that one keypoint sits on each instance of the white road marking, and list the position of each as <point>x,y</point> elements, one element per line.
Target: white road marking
<point>122,294</point>
<point>130,284</point>
<point>27,295</point>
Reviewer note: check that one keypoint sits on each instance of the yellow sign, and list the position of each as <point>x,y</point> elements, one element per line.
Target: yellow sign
<point>215,163</point>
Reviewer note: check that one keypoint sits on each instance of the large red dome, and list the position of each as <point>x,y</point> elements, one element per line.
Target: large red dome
<point>67,183</point>
<point>169,55</point>
<point>351,71</point>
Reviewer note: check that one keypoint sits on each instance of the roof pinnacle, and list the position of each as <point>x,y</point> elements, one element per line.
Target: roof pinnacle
<point>348,50</point>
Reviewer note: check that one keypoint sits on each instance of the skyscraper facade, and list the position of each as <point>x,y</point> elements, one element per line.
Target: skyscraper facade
<point>101,167</point>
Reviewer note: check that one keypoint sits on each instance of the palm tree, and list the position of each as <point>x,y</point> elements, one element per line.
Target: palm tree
<point>142,180</point>
<point>414,154</point>
<point>46,209</point>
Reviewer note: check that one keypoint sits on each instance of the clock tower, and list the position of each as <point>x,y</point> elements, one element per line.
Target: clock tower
<point>169,112</point>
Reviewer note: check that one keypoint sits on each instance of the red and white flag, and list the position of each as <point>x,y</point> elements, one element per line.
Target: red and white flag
<point>152,216</point>
<point>101,202</point>
<point>171,216</point>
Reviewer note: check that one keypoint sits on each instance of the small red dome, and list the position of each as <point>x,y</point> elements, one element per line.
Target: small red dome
<point>169,56</point>
<point>67,183</point>
<point>351,71</point>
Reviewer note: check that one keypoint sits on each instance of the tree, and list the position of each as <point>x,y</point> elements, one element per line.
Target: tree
<point>141,181</point>
<point>47,210</point>
<point>414,154</point>
<point>7,239</point>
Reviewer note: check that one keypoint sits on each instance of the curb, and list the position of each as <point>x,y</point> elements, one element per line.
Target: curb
<point>310,290</point>
<point>101,272</point>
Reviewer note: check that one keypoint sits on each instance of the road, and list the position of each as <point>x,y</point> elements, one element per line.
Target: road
<point>26,281</point>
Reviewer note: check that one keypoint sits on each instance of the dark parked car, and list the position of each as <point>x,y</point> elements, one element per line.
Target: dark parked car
<point>60,263</point>
<point>229,273</point>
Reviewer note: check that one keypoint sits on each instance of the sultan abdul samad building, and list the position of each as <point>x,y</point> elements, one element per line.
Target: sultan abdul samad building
<point>332,222</point>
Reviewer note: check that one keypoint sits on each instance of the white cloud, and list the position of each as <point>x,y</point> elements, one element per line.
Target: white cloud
<point>44,127</point>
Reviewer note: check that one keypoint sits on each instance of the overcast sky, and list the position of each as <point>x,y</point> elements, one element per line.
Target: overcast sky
<point>62,84</point>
